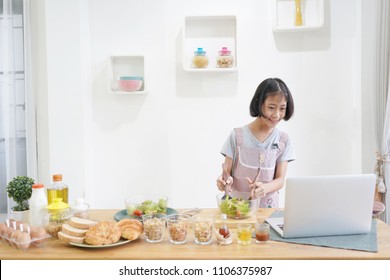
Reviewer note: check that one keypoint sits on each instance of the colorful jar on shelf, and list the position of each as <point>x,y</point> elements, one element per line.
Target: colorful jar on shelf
<point>225,58</point>
<point>200,59</point>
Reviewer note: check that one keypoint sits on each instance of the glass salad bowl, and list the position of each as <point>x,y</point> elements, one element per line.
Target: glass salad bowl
<point>237,205</point>
<point>146,204</point>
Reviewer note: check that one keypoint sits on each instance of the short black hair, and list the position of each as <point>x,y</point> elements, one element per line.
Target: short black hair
<point>268,87</point>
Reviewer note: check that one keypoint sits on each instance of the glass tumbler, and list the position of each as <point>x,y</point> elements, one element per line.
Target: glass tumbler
<point>244,234</point>
<point>178,225</point>
<point>262,232</point>
<point>203,229</point>
<point>154,227</point>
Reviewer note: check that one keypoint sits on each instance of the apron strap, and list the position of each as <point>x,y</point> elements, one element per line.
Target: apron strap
<point>239,140</point>
<point>239,143</point>
<point>283,141</point>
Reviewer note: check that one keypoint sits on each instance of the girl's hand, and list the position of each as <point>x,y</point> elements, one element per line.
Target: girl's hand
<point>225,186</point>
<point>257,188</point>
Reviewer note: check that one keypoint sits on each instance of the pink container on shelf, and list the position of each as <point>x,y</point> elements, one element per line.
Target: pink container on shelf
<point>129,83</point>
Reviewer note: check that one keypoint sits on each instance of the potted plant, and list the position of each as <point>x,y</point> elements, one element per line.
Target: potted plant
<point>20,190</point>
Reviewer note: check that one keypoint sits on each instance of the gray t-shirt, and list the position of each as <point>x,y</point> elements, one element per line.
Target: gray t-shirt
<point>250,141</point>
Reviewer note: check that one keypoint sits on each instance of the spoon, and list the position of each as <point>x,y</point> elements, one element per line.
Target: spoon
<point>225,177</point>
<point>192,212</point>
<point>253,190</point>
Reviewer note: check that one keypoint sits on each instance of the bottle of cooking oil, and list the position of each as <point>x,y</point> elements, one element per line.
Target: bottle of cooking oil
<point>57,190</point>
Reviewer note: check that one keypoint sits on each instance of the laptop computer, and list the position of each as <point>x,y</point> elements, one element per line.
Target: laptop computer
<point>326,205</point>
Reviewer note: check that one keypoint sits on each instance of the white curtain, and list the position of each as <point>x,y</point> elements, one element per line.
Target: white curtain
<point>13,123</point>
<point>386,157</point>
<point>6,92</point>
<point>382,107</point>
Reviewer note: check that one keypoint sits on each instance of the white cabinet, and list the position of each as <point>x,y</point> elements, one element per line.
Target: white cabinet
<point>284,15</point>
<point>126,65</point>
<point>211,33</point>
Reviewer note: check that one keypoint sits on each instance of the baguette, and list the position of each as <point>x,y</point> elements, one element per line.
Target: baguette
<point>81,223</point>
<point>72,231</point>
<point>68,238</point>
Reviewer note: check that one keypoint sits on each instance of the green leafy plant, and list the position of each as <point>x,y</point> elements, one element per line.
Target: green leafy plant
<point>20,190</point>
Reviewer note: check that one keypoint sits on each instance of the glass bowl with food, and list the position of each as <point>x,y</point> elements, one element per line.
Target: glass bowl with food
<point>237,205</point>
<point>141,204</point>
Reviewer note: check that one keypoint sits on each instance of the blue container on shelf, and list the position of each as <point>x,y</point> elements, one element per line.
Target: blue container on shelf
<point>131,78</point>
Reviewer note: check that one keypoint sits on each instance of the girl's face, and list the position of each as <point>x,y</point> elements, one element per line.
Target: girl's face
<point>274,109</point>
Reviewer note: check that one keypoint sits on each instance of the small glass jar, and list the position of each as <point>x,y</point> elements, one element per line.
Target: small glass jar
<point>59,213</point>
<point>225,58</point>
<point>80,208</point>
<point>203,229</point>
<point>262,232</point>
<point>200,59</point>
<point>244,234</point>
<point>178,225</point>
<point>154,227</point>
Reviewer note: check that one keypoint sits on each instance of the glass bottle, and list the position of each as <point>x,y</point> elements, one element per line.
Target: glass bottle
<point>223,229</point>
<point>57,189</point>
<point>298,13</point>
<point>200,59</point>
<point>38,203</point>
<point>225,59</point>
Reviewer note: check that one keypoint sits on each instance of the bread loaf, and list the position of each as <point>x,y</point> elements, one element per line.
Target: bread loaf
<point>70,230</point>
<point>81,223</point>
<point>69,238</point>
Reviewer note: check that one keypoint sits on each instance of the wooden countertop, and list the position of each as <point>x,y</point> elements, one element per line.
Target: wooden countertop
<point>141,250</point>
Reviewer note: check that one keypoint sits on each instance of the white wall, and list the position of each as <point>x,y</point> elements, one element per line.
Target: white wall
<point>168,141</point>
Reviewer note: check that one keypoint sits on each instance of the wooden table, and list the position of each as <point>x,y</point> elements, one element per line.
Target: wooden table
<point>142,250</point>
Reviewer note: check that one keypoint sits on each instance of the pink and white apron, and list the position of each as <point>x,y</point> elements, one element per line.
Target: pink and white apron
<point>257,164</point>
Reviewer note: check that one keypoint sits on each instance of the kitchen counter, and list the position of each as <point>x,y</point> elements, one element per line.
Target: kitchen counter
<point>140,249</point>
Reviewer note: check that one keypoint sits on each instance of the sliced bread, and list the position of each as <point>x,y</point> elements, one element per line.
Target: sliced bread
<point>81,223</point>
<point>72,231</point>
<point>69,238</point>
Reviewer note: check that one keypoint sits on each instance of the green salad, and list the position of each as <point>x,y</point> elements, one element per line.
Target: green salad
<point>148,207</point>
<point>235,207</point>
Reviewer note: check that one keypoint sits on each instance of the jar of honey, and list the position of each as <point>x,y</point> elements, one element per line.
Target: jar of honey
<point>200,59</point>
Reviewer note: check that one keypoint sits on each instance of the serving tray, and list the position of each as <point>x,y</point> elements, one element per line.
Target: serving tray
<point>84,245</point>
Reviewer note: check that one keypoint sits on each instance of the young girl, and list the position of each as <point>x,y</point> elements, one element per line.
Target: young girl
<point>257,154</point>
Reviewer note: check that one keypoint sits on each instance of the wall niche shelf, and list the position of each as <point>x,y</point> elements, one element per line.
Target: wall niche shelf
<point>210,33</point>
<point>284,15</point>
<point>126,65</point>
